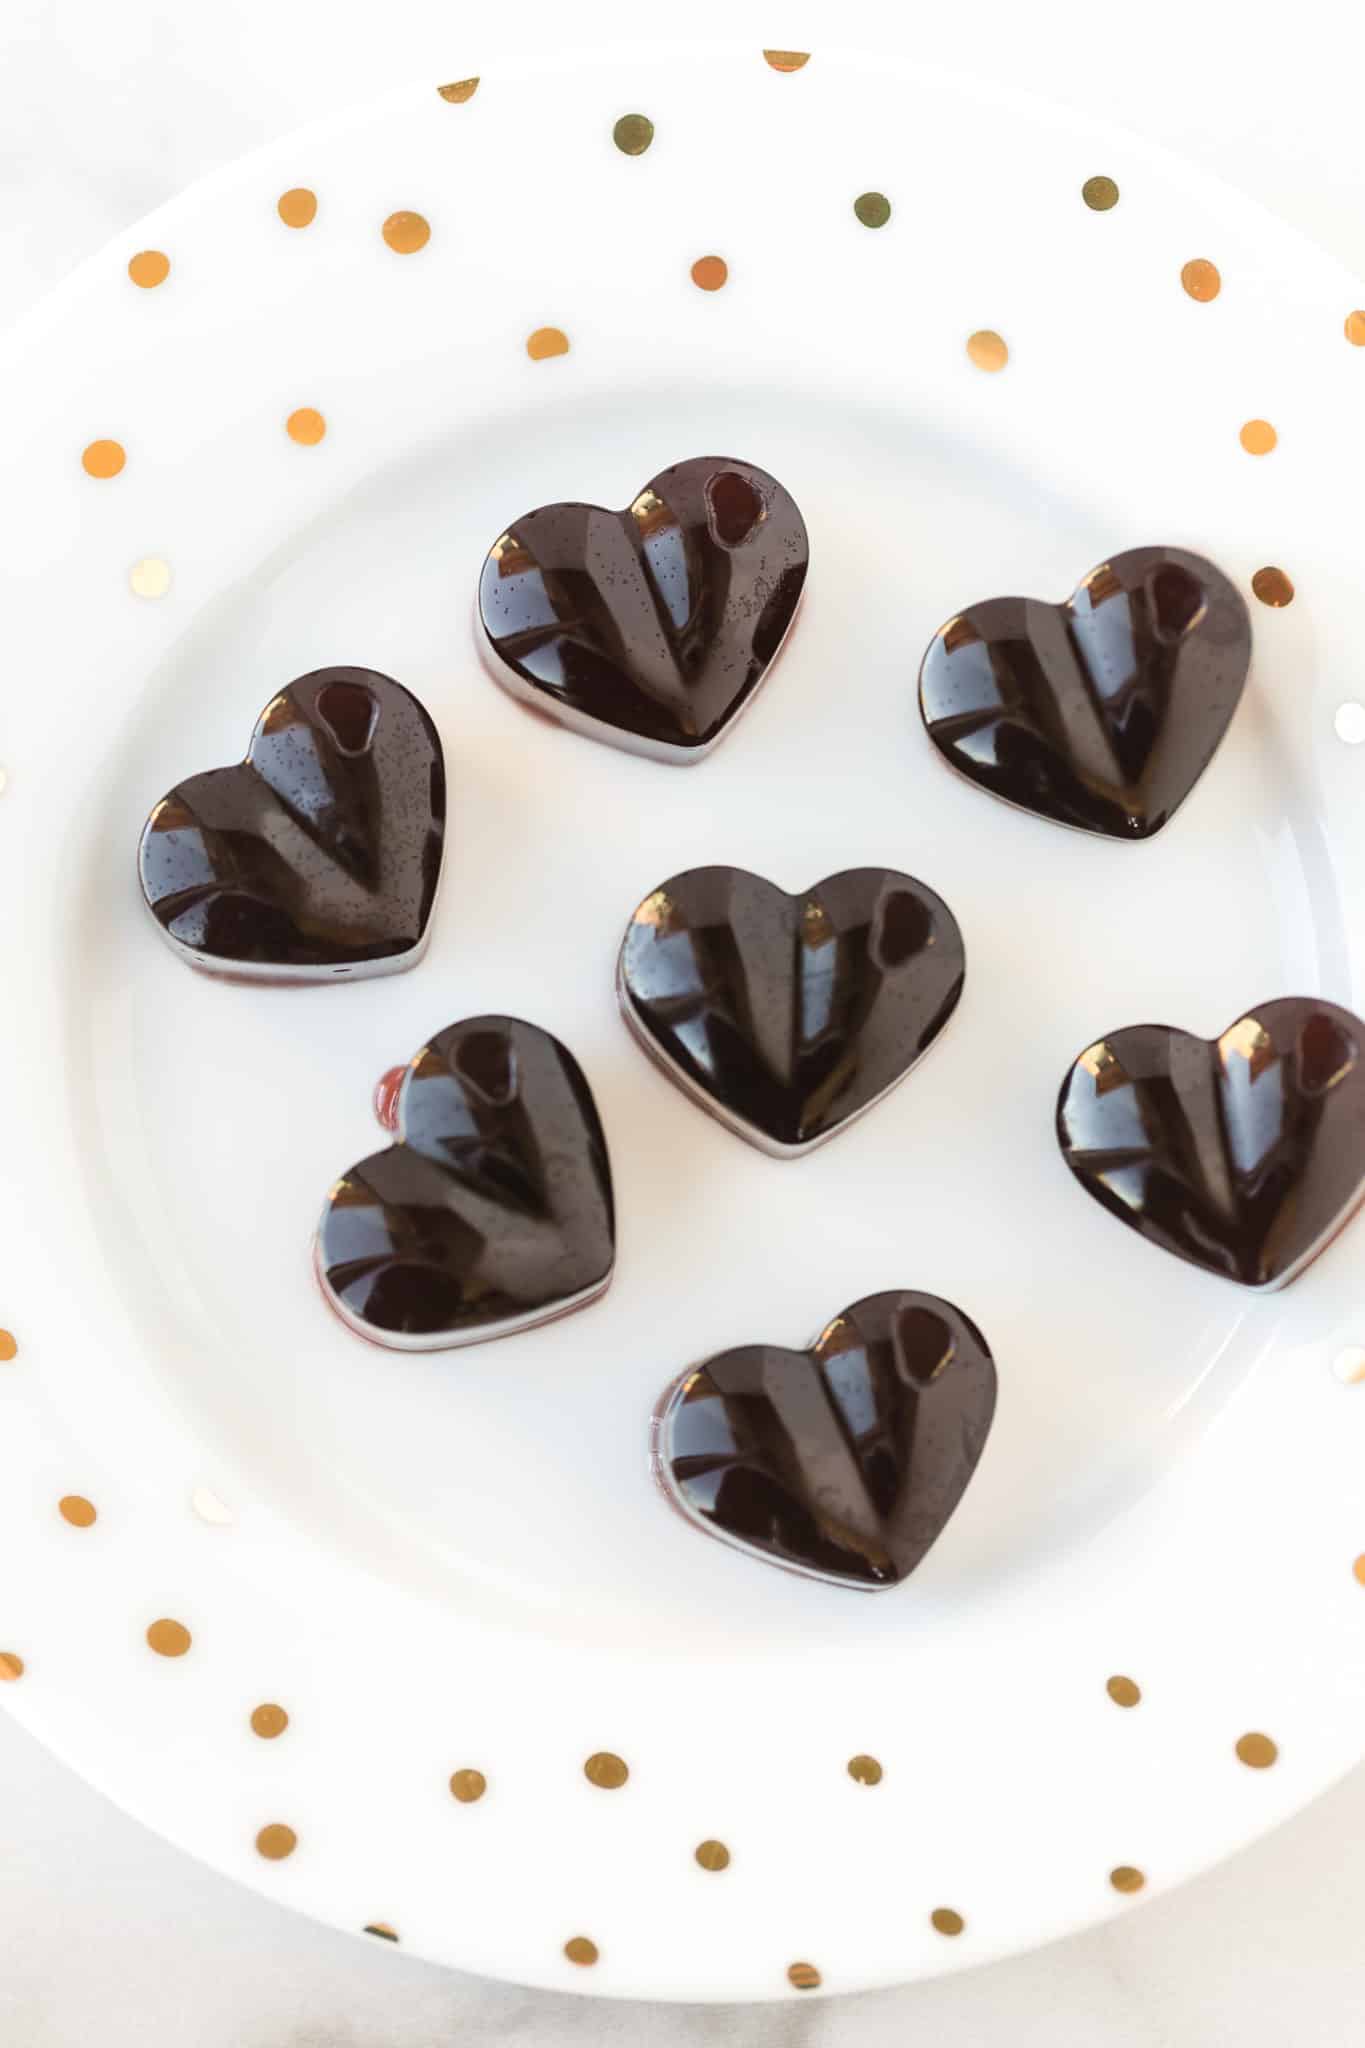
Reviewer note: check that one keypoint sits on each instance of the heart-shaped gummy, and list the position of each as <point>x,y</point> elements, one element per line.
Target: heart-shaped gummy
<point>844,1462</point>
<point>493,1210</point>
<point>1244,1154</point>
<point>318,855</point>
<point>653,627</point>
<point>788,1016</point>
<point>1102,712</point>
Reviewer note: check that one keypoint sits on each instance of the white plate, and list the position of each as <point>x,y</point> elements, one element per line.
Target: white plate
<point>437,1564</point>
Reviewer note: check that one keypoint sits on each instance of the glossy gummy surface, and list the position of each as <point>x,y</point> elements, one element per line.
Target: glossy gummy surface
<point>1104,711</point>
<point>787,1016</point>
<point>843,1462</point>
<point>652,627</point>
<point>1243,1154</point>
<point>320,853</point>
<point>492,1211</point>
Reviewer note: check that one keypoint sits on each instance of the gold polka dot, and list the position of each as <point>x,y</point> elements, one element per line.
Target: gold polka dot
<point>581,1951</point>
<point>1258,437</point>
<point>150,267</point>
<point>103,459</point>
<point>276,1842</point>
<point>1273,587</point>
<point>712,1855</point>
<point>1201,279</point>
<point>11,1666</point>
<point>945,1921</point>
<point>406,232</point>
<point>467,1786</point>
<point>709,273</point>
<point>547,341</point>
<point>1123,1691</point>
<point>1256,1751</point>
<point>268,1721</point>
<point>151,577</point>
<point>1100,194</point>
<point>383,1930</point>
<point>297,207</point>
<point>873,209</point>
<point>169,1638</point>
<point>865,1770</point>
<point>76,1509</point>
<point>804,1976</point>
<point>1355,329</point>
<point>463,89</point>
<point>306,426</point>
<point>633,134</point>
<point>787,60</point>
<point>9,1346</point>
<point>987,349</point>
<point>1125,1878</point>
<point>605,1770</point>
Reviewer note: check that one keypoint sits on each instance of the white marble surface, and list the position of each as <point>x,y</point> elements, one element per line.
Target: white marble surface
<point>107,1936</point>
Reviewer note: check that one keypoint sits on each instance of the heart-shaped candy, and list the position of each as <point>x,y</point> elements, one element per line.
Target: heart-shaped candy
<point>317,856</point>
<point>1244,1154</point>
<point>493,1210</point>
<point>653,627</point>
<point>1102,712</point>
<point>844,1462</point>
<point>788,1016</point>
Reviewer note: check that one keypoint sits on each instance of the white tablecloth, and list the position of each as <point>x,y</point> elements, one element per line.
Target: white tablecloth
<point>110,1939</point>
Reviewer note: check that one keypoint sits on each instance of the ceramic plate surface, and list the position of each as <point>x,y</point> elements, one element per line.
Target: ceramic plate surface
<point>459,1564</point>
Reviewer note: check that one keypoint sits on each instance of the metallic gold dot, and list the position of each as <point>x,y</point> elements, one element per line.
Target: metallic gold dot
<point>149,268</point>
<point>1359,1568</point>
<point>633,134</point>
<point>1201,279</point>
<point>103,459</point>
<point>151,577</point>
<point>276,1841</point>
<point>1126,1878</point>
<point>1258,437</point>
<point>268,1721</point>
<point>865,1770</point>
<point>297,207</point>
<point>1100,194</point>
<point>712,1855</point>
<point>709,273</point>
<point>1355,329</point>
<point>169,1638</point>
<point>1256,1751</point>
<point>945,1921</point>
<point>463,89</point>
<point>76,1509</point>
<point>804,1976</point>
<point>467,1786</point>
<point>306,426</point>
<point>581,1951</point>
<point>1122,1691</point>
<point>1273,587</point>
<point>406,232</point>
<point>787,60</point>
<point>9,1346</point>
<point>383,1930</point>
<point>605,1770</point>
<point>987,349</point>
<point>873,209</point>
<point>11,1666</point>
<point>547,341</point>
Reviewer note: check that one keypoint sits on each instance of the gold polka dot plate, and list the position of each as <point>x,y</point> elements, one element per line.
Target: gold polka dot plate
<point>455,1571</point>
